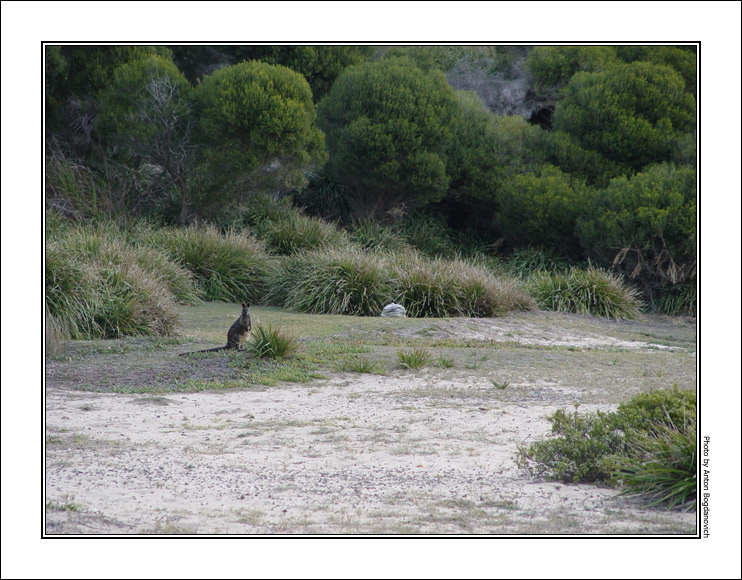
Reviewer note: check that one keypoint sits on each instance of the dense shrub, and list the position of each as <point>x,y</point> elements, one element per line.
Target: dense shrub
<point>590,291</point>
<point>542,209</point>
<point>657,427</point>
<point>554,66</point>
<point>645,226</point>
<point>257,121</point>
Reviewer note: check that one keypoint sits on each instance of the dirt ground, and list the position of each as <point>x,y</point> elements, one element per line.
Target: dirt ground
<point>132,449</point>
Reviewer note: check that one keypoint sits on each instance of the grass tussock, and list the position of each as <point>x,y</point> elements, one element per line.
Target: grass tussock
<point>228,267</point>
<point>662,467</point>
<point>589,291</point>
<point>99,286</point>
<point>441,287</point>
<point>271,342</point>
<point>346,281</point>
<point>414,359</point>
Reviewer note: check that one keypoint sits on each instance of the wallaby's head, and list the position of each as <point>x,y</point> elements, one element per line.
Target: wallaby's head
<point>245,309</point>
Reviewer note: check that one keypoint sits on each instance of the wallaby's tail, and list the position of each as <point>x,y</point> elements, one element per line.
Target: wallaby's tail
<point>207,350</point>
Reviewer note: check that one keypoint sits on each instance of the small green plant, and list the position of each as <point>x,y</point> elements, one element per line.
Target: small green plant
<point>444,362</point>
<point>413,359</point>
<point>501,385</point>
<point>361,365</point>
<point>270,342</point>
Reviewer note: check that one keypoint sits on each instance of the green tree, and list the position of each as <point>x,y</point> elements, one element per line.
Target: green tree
<point>257,123</point>
<point>91,67</point>
<point>645,225</point>
<point>682,59</point>
<point>146,114</point>
<point>554,66</point>
<point>630,114</point>
<point>388,127</point>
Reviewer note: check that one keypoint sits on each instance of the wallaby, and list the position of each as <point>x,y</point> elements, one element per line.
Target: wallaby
<point>236,333</point>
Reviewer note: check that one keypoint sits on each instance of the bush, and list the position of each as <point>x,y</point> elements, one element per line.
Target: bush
<point>257,121</point>
<point>554,66</point>
<point>581,449</point>
<point>591,291</point>
<point>608,447</point>
<point>542,209</point>
<point>229,267</point>
<point>632,114</point>
<point>645,226</point>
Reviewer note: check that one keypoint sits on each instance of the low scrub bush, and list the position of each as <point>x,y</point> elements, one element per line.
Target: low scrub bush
<point>270,342</point>
<point>229,267</point>
<point>648,443</point>
<point>589,291</point>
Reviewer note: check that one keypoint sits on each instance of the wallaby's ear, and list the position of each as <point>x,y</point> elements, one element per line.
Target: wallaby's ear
<point>248,306</point>
<point>243,305</point>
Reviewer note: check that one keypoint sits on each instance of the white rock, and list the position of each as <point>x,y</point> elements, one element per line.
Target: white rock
<point>394,310</point>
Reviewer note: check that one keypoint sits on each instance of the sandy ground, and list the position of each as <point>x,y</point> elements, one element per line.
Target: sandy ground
<point>402,453</point>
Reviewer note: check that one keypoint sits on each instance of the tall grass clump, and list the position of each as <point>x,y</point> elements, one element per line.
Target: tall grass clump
<point>663,467</point>
<point>439,287</point>
<point>98,286</point>
<point>270,342</point>
<point>591,291</point>
<point>425,288</point>
<point>334,281</point>
<point>296,232</point>
<point>375,236</point>
<point>229,267</point>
